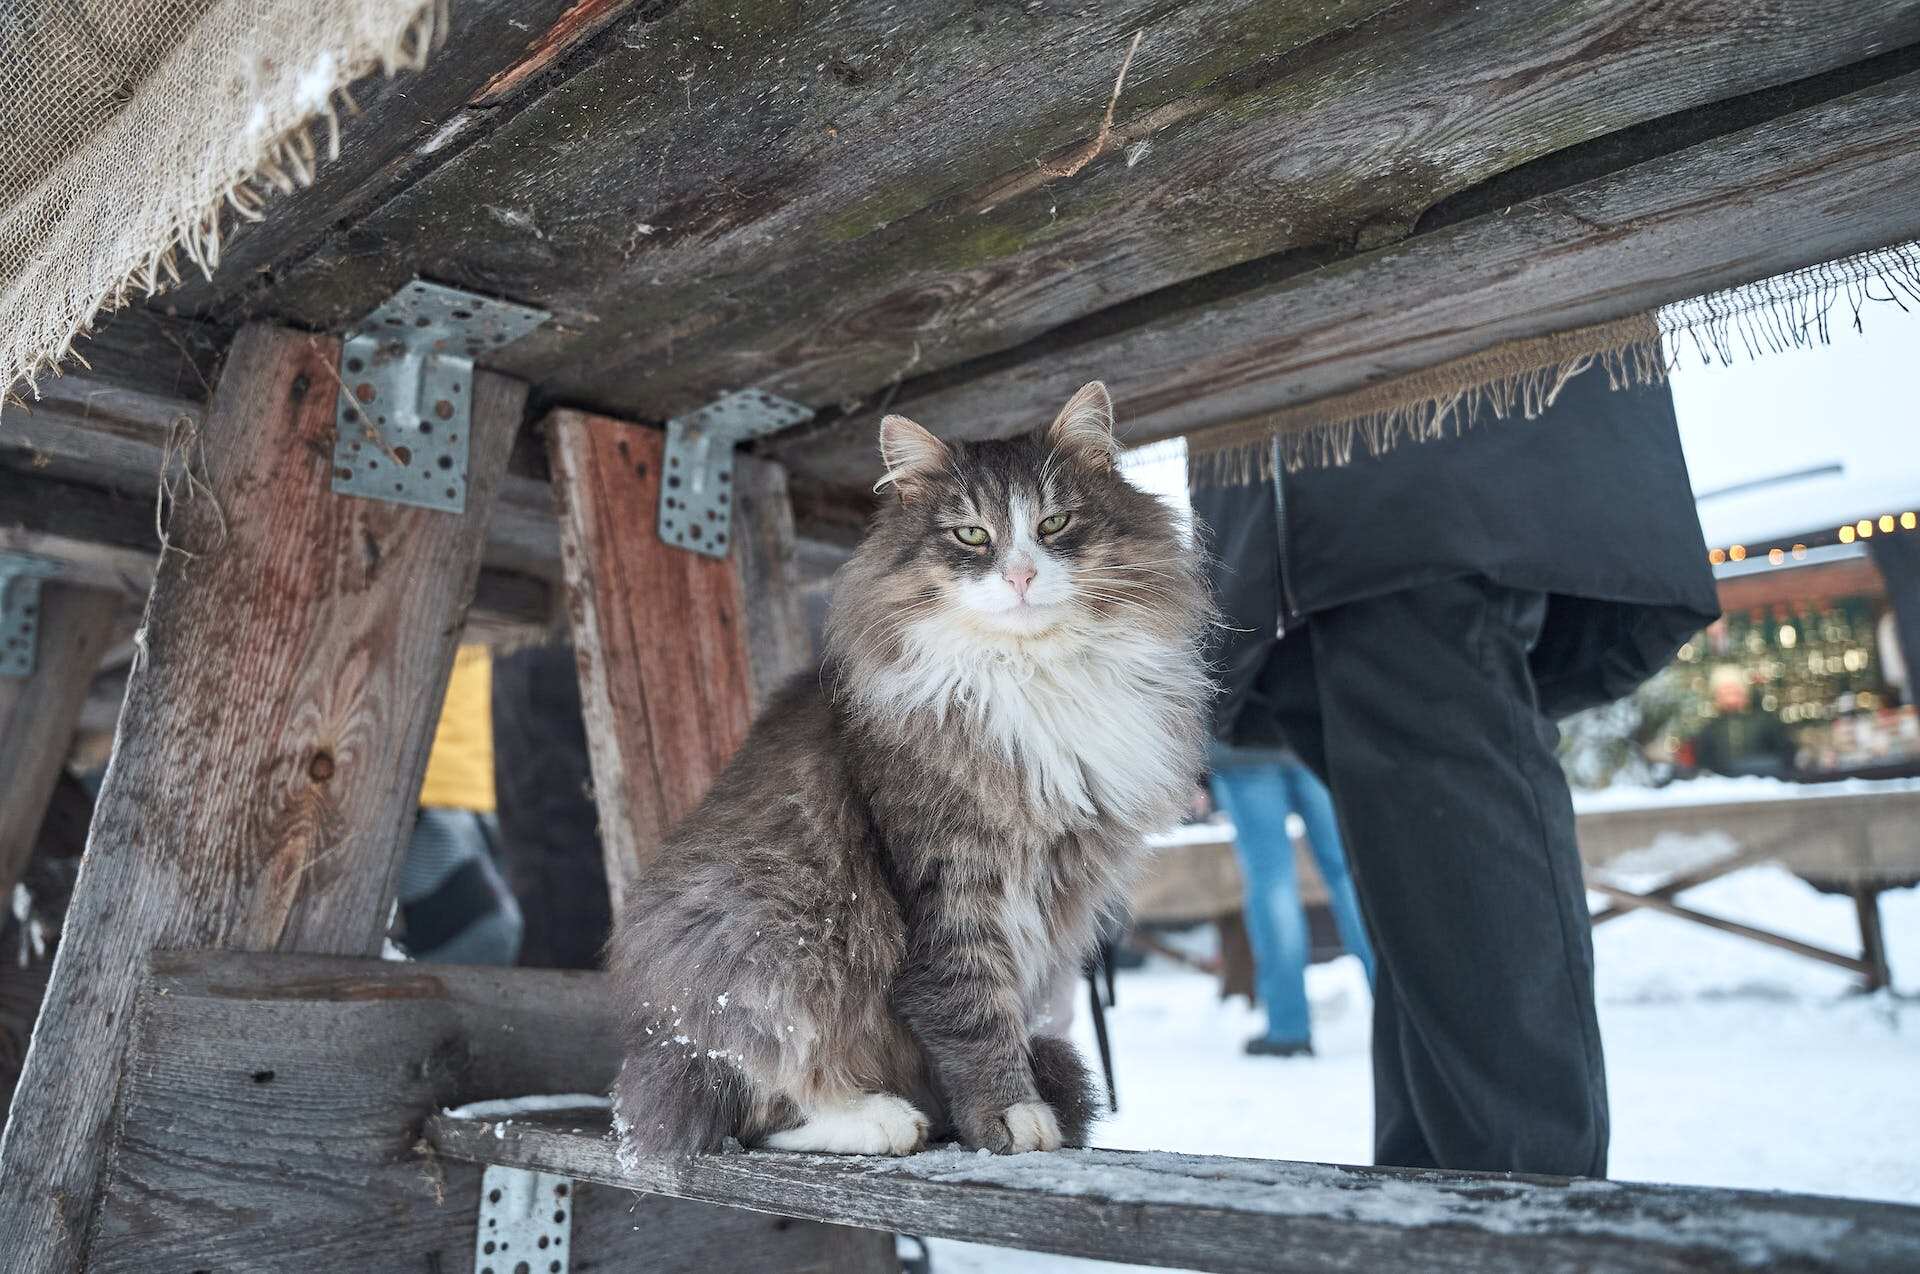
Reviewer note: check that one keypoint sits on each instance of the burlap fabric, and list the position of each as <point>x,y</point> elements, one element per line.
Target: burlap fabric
<point>129,129</point>
<point>1520,378</point>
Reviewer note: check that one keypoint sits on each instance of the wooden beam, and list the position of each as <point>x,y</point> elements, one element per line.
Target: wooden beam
<point>660,635</point>
<point>778,643</point>
<point>107,540</point>
<point>269,752</point>
<point>271,1114</point>
<point>494,52</point>
<point>84,429</point>
<point>823,202</point>
<point>1246,1216</point>
<point>1837,178</point>
<point>38,714</point>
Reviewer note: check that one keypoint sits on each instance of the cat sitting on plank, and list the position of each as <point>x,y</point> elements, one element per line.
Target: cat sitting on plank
<point>844,947</point>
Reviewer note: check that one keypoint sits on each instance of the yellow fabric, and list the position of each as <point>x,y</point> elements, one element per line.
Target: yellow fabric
<point>460,768</point>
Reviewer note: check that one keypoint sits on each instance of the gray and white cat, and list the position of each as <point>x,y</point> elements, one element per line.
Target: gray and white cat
<point>844,947</point>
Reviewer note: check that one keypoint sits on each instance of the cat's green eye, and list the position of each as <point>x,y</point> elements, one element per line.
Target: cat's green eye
<point>972,536</point>
<point>1054,525</point>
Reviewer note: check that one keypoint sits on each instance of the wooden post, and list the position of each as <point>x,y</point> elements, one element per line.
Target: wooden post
<point>1873,942</point>
<point>38,713</point>
<point>763,541</point>
<point>270,747</point>
<point>658,631</point>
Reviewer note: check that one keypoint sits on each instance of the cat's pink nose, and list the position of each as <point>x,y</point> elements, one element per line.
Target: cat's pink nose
<point>1020,575</point>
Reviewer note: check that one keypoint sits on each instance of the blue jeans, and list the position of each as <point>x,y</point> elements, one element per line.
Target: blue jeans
<point>1258,795</point>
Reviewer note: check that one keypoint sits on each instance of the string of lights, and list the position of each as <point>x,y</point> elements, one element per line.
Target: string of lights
<point>1864,529</point>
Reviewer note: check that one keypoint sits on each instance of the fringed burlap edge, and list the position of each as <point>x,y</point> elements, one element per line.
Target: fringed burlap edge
<point>1521,378</point>
<point>288,161</point>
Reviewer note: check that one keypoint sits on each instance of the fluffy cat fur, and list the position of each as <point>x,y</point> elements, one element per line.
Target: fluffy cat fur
<point>842,948</point>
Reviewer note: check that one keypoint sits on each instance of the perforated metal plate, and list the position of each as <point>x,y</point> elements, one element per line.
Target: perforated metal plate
<point>406,393</point>
<point>20,576</point>
<point>696,497</point>
<point>525,1223</point>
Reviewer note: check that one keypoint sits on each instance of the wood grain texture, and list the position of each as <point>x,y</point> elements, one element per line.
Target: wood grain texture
<point>494,51</point>
<point>271,1115</point>
<point>823,199</point>
<point>38,714</point>
<point>1837,178</point>
<point>91,430</point>
<point>270,750</point>
<point>660,635</point>
<point>107,539</point>
<point>778,644</point>
<point>1250,1216</point>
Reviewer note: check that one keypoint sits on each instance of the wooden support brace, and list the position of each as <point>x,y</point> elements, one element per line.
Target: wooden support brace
<point>665,683</point>
<point>270,748</point>
<point>778,645</point>
<point>38,714</point>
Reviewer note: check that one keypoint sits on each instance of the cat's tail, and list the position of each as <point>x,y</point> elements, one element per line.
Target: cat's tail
<point>1065,1084</point>
<point>679,1099</point>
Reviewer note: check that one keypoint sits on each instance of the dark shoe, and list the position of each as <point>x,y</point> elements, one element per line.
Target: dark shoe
<point>1261,1046</point>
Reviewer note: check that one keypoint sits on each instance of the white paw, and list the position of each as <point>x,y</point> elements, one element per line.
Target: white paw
<point>1031,1126</point>
<point>871,1124</point>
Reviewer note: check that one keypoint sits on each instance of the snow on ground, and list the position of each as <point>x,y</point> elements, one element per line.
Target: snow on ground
<point>1729,1063</point>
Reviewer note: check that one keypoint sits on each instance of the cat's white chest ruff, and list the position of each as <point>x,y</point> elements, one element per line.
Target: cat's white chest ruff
<point>1091,733</point>
<point>1093,728</point>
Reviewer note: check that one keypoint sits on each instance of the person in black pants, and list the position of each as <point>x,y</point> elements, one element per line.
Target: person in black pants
<point>550,848</point>
<point>1412,624</point>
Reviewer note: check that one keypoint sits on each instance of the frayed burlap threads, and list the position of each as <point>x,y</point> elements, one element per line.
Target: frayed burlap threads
<point>132,132</point>
<point>1521,378</point>
<point>1516,378</point>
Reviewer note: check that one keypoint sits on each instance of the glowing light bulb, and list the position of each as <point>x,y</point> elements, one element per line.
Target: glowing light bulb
<point>1738,552</point>
<point>1717,556</point>
<point>1864,526</point>
<point>1886,522</point>
<point>1776,556</point>
<point>1909,520</point>
<point>1846,535</point>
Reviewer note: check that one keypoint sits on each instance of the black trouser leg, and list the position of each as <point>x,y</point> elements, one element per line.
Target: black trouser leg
<point>1459,829</point>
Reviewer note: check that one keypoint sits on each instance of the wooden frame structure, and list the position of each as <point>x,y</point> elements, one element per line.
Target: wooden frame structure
<point>820,201</point>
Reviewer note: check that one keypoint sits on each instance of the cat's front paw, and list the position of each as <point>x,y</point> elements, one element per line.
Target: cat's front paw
<point>1021,1127</point>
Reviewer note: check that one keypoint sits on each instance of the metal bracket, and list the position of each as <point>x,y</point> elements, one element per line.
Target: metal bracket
<point>525,1223</point>
<point>696,498</point>
<point>406,393</point>
<point>20,576</point>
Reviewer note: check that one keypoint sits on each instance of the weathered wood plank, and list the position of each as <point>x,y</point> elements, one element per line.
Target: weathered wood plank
<point>38,713</point>
<point>271,1115</point>
<point>269,752</point>
<point>1246,1216</point>
<point>778,645</point>
<point>659,633</point>
<point>102,540</point>
<point>1837,178</point>
<point>95,431</point>
<point>145,353</point>
<point>107,539</point>
<point>495,51</point>
<point>822,200</point>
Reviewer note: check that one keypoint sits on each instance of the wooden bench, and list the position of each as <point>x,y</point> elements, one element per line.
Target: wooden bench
<point>1235,1216</point>
<point>1867,840</point>
<point>284,1111</point>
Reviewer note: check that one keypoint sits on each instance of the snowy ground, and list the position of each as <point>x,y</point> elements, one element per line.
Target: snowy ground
<point>1729,1063</point>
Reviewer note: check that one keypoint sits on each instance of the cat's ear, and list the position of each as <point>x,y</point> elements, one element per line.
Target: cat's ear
<point>910,454</point>
<point>1084,427</point>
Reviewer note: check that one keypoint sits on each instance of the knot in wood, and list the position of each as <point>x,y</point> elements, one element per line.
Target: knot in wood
<point>320,769</point>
